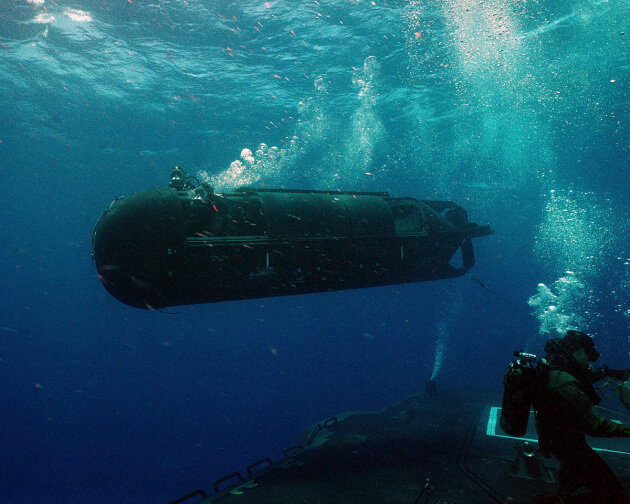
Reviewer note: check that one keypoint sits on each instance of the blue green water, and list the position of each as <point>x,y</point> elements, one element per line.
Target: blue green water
<point>517,110</point>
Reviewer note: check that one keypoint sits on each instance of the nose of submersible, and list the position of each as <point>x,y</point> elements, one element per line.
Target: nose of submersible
<point>135,246</point>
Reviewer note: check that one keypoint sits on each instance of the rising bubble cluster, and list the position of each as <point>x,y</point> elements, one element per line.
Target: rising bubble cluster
<point>443,332</point>
<point>579,232</point>
<point>559,307</point>
<point>576,232</point>
<point>253,167</point>
<point>318,151</point>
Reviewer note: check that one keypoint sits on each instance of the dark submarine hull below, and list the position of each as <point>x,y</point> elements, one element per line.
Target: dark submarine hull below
<point>186,245</point>
<point>439,447</point>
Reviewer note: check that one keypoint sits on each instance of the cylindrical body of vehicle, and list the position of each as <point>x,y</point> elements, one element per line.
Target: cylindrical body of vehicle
<point>168,247</point>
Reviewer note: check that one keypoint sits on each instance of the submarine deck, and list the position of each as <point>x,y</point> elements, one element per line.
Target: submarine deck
<point>441,448</point>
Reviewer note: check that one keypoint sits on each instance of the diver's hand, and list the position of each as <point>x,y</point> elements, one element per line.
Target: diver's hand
<point>624,394</point>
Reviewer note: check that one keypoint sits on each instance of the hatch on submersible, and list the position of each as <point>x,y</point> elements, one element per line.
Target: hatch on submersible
<point>186,244</point>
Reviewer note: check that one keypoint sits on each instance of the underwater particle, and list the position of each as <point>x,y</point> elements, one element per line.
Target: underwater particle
<point>43,18</point>
<point>78,15</point>
<point>246,155</point>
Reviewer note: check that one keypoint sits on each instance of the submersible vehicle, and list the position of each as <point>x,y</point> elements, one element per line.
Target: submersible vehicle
<point>187,244</point>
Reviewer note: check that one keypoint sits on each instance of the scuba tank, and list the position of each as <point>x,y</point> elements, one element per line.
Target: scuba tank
<point>519,389</point>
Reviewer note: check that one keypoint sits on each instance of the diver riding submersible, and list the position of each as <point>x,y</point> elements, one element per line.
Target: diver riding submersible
<point>186,244</point>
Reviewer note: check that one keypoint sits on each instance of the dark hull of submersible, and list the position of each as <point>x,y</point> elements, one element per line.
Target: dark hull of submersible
<point>186,245</point>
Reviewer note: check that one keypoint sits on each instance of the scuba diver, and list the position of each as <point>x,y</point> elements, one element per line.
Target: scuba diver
<point>565,413</point>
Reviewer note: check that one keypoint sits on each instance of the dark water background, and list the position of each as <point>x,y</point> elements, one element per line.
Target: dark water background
<point>518,110</point>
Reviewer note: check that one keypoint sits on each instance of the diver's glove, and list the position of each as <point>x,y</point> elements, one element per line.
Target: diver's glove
<point>624,394</point>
